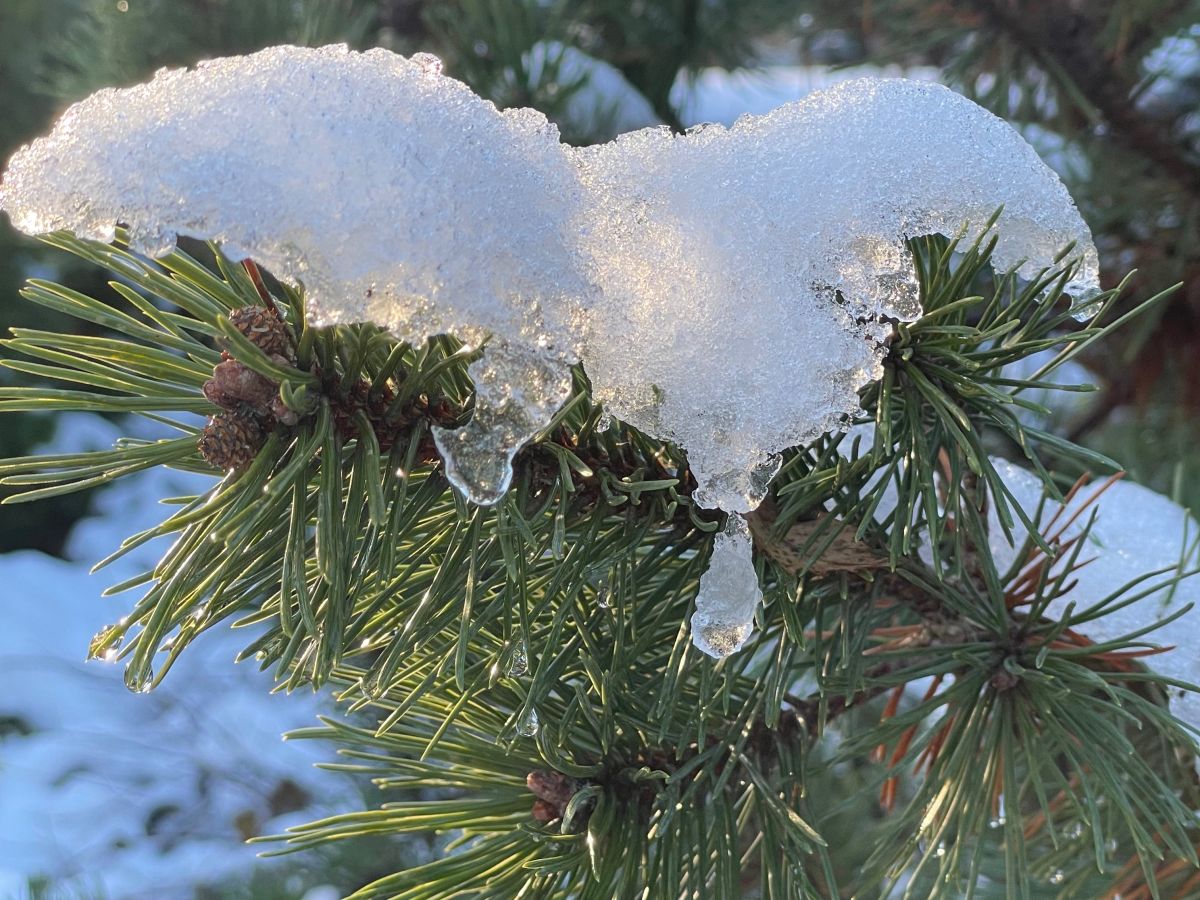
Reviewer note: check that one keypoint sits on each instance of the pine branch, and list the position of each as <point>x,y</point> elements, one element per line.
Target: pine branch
<point>1063,41</point>
<point>544,642</point>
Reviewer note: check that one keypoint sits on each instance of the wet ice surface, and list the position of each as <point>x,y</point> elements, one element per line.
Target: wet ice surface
<point>725,287</point>
<point>1136,531</point>
<point>394,193</point>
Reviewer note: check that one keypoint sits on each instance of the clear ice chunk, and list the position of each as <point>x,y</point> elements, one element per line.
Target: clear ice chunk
<point>744,270</point>
<point>392,192</point>
<point>516,394</point>
<point>729,593</point>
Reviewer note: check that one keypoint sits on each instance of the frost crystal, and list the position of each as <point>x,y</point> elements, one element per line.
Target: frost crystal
<point>744,269</point>
<point>394,193</point>
<point>729,593</point>
<point>1136,532</point>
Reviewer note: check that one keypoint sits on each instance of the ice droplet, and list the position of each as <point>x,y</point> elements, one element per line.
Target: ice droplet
<point>371,686</point>
<point>151,241</point>
<point>105,643</point>
<point>519,663</point>
<point>1058,876</point>
<point>729,593</point>
<point>603,423</point>
<point>529,724</point>
<point>138,682</point>
<point>600,578</point>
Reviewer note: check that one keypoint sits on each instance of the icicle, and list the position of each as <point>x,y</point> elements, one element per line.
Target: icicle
<point>729,593</point>
<point>516,393</point>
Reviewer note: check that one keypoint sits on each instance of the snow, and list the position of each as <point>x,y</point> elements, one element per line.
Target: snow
<point>1136,531</point>
<point>135,795</point>
<point>723,95</point>
<point>1063,406</point>
<point>752,265</point>
<point>1171,85</point>
<point>726,288</point>
<point>394,193</point>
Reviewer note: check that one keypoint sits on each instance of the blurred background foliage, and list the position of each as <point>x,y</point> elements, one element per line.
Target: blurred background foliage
<point>1107,90</point>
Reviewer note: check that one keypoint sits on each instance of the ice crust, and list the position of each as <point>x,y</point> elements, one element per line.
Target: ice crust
<point>394,193</point>
<point>727,289</point>
<point>1136,531</point>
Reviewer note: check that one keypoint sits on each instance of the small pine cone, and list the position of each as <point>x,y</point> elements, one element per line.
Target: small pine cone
<point>263,329</point>
<point>230,441</point>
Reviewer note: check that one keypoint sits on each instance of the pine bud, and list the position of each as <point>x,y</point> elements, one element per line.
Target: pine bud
<point>263,329</point>
<point>234,384</point>
<point>230,440</point>
<point>553,787</point>
<point>545,812</point>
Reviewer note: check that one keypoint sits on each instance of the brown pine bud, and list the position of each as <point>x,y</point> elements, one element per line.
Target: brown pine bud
<point>544,812</point>
<point>234,385</point>
<point>230,441</point>
<point>263,329</point>
<point>553,787</point>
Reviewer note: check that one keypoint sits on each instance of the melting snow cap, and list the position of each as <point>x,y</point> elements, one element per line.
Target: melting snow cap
<point>727,288</point>
<point>752,263</point>
<point>370,177</point>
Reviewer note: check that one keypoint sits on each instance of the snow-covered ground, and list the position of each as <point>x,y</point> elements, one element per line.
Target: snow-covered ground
<point>135,795</point>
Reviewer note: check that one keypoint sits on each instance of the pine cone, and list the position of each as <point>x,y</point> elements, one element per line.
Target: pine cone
<point>263,329</point>
<point>230,441</point>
